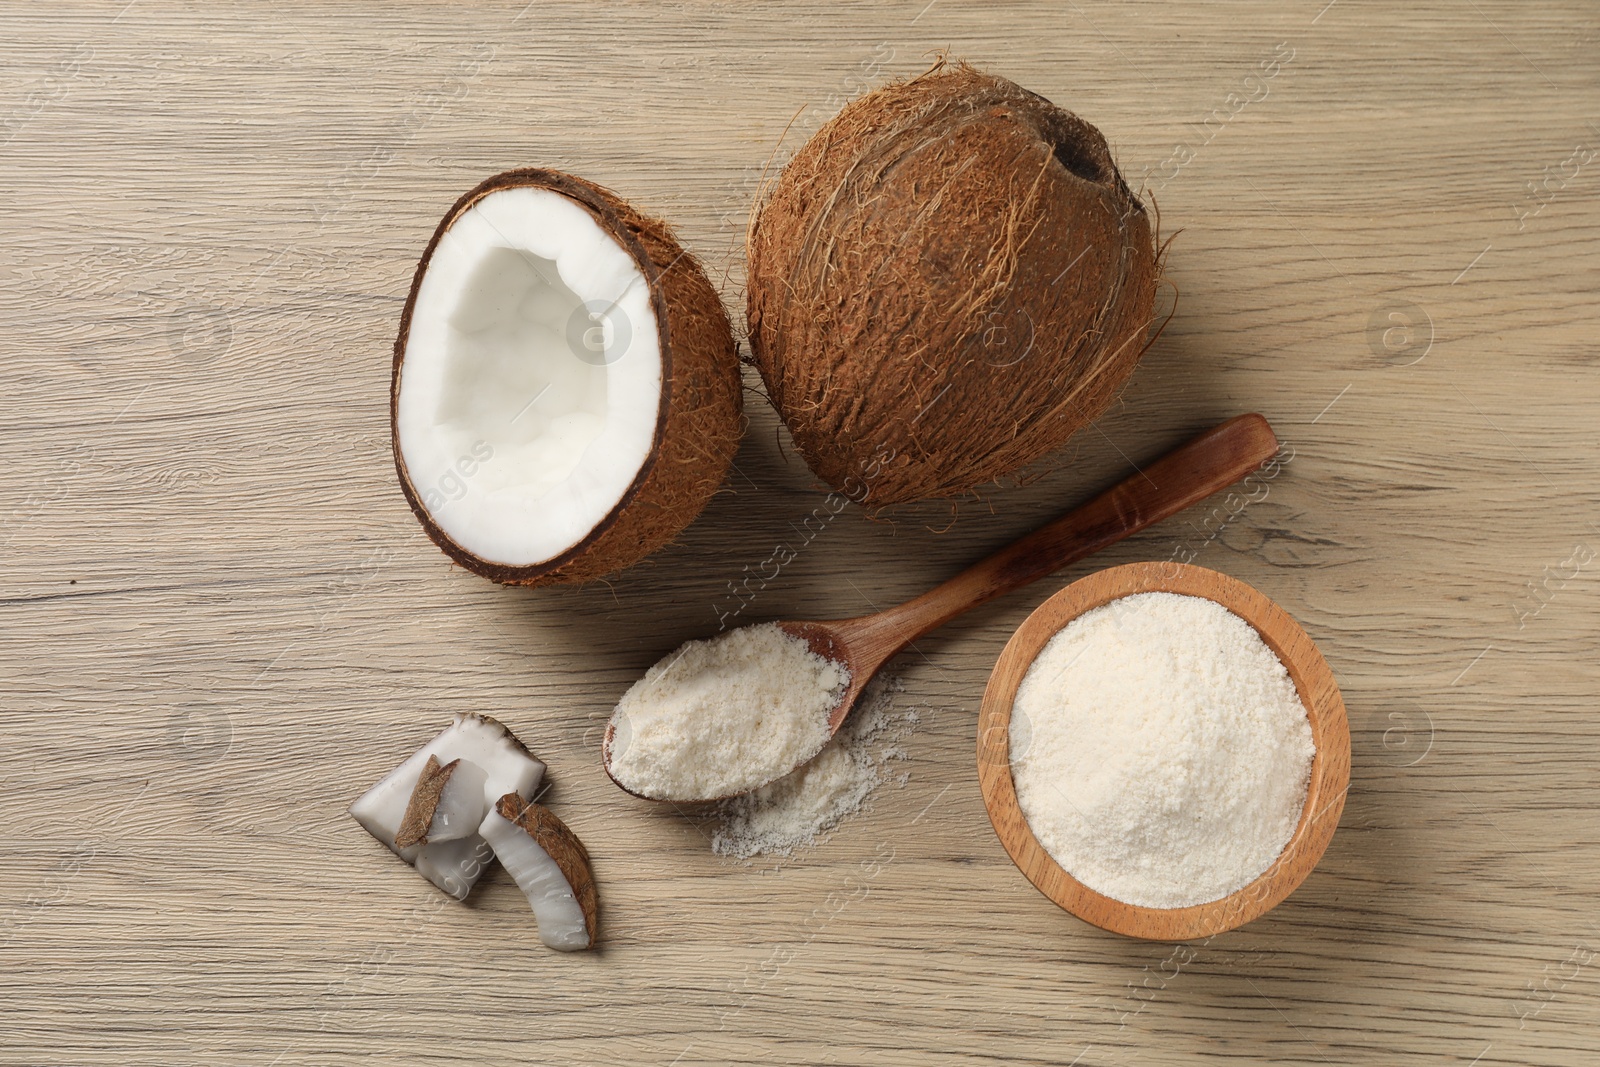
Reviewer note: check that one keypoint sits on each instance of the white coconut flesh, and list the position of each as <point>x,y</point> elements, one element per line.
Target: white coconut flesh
<point>452,865</point>
<point>530,383</point>
<point>555,908</point>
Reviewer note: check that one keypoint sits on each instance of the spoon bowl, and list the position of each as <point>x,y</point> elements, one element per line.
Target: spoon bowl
<point>1212,461</point>
<point>857,646</point>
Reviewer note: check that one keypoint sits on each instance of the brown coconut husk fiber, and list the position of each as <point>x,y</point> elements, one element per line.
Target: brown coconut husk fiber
<point>698,423</point>
<point>946,282</point>
<point>418,818</point>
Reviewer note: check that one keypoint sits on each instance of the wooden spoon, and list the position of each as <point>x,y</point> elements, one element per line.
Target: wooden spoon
<point>1214,460</point>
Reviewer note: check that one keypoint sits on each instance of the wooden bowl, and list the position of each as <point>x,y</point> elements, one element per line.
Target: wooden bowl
<point>1330,767</point>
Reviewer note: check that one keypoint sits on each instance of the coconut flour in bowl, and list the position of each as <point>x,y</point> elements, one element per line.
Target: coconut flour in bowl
<point>1159,750</point>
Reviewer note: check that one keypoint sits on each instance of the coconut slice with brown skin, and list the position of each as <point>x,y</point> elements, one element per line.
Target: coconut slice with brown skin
<point>447,805</point>
<point>566,392</point>
<point>945,283</point>
<point>551,867</point>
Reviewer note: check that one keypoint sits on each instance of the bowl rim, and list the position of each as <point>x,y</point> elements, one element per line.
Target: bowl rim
<point>1313,681</point>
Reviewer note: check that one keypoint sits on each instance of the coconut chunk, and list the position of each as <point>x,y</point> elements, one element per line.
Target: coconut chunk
<point>551,867</point>
<point>447,804</point>
<point>414,825</point>
<point>480,744</point>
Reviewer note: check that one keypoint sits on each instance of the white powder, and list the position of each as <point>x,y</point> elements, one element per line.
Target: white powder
<point>722,716</point>
<point>796,811</point>
<point>1160,752</point>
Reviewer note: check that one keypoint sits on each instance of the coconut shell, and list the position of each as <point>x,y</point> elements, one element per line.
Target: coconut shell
<point>698,423</point>
<point>563,846</point>
<point>945,282</point>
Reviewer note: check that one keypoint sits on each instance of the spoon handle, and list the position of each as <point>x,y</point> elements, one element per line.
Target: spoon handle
<point>1190,473</point>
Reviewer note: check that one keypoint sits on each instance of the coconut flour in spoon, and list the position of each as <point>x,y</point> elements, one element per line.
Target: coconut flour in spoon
<point>723,716</point>
<point>1160,751</point>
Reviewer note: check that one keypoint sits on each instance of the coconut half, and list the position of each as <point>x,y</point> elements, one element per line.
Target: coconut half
<point>499,764</point>
<point>551,867</point>
<point>566,391</point>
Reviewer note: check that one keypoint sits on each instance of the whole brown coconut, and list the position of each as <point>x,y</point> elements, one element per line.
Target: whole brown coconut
<point>674,355</point>
<point>946,282</point>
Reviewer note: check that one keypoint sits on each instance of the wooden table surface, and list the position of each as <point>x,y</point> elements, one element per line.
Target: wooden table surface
<point>221,623</point>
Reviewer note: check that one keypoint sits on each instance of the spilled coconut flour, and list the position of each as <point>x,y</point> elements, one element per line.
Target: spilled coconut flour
<point>1160,751</point>
<point>723,716</point>
<point>796,811</point>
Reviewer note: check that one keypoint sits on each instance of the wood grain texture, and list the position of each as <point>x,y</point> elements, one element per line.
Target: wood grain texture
<point>1326,788</point>
<point>221,623</point>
